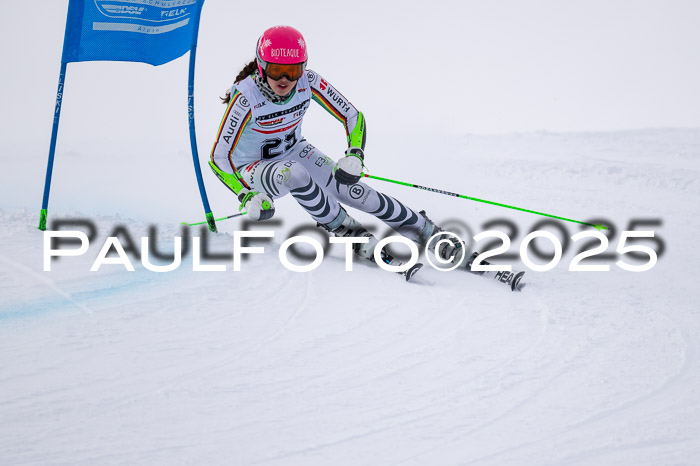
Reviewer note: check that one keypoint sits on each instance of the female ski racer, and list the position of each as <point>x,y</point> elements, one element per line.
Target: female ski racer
<point>260,153</point>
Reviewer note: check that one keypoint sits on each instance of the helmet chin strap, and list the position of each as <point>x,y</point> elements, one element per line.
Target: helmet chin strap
<point>261,71</point>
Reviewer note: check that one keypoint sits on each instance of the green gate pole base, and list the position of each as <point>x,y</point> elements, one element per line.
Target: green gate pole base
<point>211,222</point>
<point>42,220</point>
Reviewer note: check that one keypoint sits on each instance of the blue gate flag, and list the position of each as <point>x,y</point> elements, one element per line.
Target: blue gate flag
<point>147,31</point>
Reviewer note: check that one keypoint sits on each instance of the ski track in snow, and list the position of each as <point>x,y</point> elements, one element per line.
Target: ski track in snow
<point>272,367</point>
<point>42,279</point>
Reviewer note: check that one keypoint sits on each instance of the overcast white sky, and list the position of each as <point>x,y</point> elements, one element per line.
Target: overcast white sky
<point>456,67</point>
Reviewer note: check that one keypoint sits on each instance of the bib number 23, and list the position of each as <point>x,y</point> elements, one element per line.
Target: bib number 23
<point>271,147</point>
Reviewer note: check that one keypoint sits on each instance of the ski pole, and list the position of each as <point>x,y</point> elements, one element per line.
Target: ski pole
<point>440,191</point>
<point>218,219</point>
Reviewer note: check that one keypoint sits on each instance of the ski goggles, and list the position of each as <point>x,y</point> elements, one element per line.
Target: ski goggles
<point>276,71</point>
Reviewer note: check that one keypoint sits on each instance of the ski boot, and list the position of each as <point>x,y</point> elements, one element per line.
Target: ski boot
<point>345,226</point>
<point>447,247</point>
<point>451,250</point>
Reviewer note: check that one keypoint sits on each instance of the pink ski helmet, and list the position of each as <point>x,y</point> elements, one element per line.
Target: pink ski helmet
<point>281,51</point>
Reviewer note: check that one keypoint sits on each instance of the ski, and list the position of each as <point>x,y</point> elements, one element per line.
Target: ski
<point>407,274</point>
<point>511,279</point>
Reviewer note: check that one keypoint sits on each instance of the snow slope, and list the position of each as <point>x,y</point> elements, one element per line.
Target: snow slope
<point>268,366</point>
<point>271,367</point>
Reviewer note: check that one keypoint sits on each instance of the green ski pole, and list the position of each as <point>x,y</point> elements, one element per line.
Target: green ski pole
<point>448,193</point>
<point>218,219</point>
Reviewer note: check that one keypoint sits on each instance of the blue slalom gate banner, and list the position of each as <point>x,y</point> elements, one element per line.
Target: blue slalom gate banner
<point>148,31</point>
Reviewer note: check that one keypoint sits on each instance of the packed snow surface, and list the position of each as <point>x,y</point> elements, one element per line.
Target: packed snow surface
<point>273,367</point>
